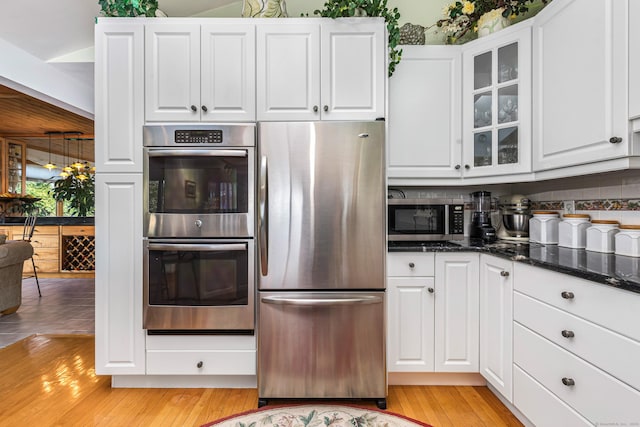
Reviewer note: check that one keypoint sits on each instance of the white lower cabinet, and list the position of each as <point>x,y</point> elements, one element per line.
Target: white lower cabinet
<point>496,323</point>
<point>410,326</point>
<point>433,318</point>
<point>201,355</point>
<point>578,342</point>
<point>456,312</point>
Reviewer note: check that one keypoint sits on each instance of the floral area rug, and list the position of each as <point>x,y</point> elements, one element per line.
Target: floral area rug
<point>316,416</point>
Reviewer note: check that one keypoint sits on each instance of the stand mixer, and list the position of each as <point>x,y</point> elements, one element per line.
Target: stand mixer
<point>514,218</point>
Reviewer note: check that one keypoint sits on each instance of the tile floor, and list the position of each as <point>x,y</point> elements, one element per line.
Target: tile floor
<point>66,307</point>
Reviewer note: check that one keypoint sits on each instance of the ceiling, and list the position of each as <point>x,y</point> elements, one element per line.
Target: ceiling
<point>60,33</point>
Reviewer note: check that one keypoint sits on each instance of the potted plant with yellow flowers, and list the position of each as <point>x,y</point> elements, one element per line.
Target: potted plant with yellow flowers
<point>480,16</point>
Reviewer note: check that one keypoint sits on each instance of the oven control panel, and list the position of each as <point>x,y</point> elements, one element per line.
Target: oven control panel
<point>209,136</point>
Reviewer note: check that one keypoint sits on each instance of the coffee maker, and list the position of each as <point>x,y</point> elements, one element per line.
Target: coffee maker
<point>481,227</point>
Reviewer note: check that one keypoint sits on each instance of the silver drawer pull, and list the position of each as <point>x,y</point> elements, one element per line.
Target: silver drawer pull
<point>568,334</point>
<point>568,382</point>
<point>200,364</point>
<point>411,265</point>
<point>567,295</point>
<point>504,273</point>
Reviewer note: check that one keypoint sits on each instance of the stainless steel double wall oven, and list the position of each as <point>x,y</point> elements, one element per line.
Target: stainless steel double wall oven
<point>199,220</point>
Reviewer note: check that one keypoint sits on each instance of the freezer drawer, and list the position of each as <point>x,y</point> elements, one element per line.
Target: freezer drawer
<point>321,345</point>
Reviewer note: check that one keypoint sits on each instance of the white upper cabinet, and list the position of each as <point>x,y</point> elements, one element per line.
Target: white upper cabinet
<point>496,103</point>
<point>580,85</point>
<point>318,69</point>
<point>200,72</point>
<point>119,92</point>
<point>424,114</point>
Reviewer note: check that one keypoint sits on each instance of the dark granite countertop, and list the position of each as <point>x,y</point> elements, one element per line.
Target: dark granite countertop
<point>614,270</point>
<point>51,220</point>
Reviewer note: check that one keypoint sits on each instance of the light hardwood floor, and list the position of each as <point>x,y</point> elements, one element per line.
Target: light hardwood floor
<point>49,380</point>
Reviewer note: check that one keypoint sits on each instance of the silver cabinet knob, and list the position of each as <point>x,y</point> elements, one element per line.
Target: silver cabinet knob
<point>567,295</point>
<point>568,382</point>
<point>411,265</point>
<point>467,167</point>
<point>430,290</point>
<point>615,140</point>
<point>200,364</point>
<point>198,223</point>
<point>326,108</point>
<point>194,108</point>
<point>457,167</point>
<point>315,108</point>
<point>568,334</point>
<point>204,108</point>
<point>504,273</point>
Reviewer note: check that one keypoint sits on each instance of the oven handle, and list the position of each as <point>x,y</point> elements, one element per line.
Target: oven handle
<point>263,216</point>
<point>197,247</point>
<point>198,153</point>
<point>321,301</point>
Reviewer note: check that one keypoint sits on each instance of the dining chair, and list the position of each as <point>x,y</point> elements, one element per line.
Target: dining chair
<point>27,234</point>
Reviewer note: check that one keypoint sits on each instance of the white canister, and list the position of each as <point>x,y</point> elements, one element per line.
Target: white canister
<point>543,227</point>
<point>601,236</point>
<point>628,241</point>
<point>572,231</point>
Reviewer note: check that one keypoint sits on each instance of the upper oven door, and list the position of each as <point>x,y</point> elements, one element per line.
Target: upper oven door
<point>199,192</point>
<point>412,221</point>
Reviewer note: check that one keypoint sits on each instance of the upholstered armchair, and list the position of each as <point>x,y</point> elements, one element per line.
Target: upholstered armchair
<point>12,256</point>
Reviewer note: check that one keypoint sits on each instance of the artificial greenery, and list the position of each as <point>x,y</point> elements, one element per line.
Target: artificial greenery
<point>345,8</point>
<point>128,7</point>
<point>80,194</point>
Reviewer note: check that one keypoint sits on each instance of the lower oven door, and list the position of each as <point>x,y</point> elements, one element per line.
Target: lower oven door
<point>196,285</point>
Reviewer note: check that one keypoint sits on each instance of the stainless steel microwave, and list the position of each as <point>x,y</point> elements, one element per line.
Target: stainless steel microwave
<point>425,219</point>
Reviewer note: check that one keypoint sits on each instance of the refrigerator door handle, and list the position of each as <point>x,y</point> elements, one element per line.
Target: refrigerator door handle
<point>321,301</point>
<point>263,216</point>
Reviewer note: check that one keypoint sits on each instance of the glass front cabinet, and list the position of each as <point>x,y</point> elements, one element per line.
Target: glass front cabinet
<point>497,103</point>
<point>12,167</point>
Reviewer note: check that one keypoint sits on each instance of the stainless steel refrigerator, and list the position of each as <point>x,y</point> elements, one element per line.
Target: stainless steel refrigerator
<point>322,251</point>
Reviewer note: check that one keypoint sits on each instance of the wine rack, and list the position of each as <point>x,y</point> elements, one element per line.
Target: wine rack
<point>78,253</point>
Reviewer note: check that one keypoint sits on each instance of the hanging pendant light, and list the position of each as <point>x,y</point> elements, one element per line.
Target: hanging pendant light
<point>77,164</point>
<point>50,165</point>
<point>66,171</point>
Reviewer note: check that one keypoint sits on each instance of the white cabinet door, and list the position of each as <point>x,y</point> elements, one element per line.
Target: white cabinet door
<point>457,312</point>
<point>120,339</point>
<point>496,323</point>
<point>353,58</point>
<point>288,71</point>
<point>424,114</point>
<point>410,326</point>
<point>172,72</point>
<point>119,69</point>
<point>228,72</point>
<point>580,86</point>
<point>496,103</point>
<point>634,62</point>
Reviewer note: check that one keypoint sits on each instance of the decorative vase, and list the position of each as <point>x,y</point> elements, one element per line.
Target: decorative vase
<point>264,9</point>
<point>491,22</point>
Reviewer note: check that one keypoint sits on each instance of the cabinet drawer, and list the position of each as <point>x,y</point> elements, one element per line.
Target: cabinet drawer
<point>603,305</point>
<point>44,254</point>
<point>609,351</point>
<point>540,406</point>
<point>42,266</point>
<point>597,396</point>
<point>185,362</point>
<point>44,241</point>
<point>410,264</point>
<point>78,230</point>
<point>46,229</point>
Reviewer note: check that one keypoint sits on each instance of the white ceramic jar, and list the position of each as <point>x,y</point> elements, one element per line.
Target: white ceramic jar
<point>543,227</point>
<point>628,241</point>
<point>572,231</point>
<point>601,236</point>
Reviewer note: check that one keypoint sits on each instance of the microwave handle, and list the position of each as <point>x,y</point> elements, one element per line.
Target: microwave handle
<point>263,216</point>
<point>197,247</point>
<point>197,153</point>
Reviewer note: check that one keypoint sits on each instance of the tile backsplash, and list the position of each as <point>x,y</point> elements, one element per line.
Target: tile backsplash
<point>614,195</point>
